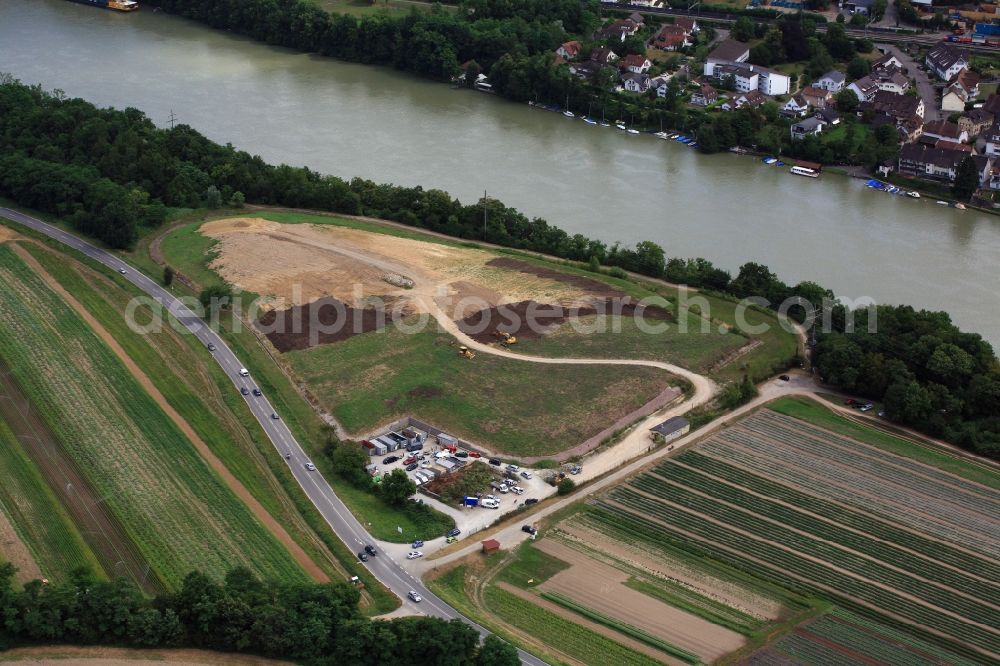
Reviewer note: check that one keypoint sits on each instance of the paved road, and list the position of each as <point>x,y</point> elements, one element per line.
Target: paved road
<point>333,510</point>
<point>932,110</point>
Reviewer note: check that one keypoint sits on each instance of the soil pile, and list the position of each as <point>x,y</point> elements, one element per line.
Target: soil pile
<point>595,287</point>
<point>320,322</point>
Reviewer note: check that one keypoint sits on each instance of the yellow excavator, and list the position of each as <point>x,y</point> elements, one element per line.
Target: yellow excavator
<point>466,352</point>
<point>505,337</point>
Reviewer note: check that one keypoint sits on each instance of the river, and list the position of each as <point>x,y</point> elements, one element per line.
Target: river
<point>354,120</point>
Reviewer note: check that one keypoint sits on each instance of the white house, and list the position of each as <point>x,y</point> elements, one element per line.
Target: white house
<point>808,127</point>
<point>993,141</point>
<point>704,96</point>
<point>954,99</point>
<point>891,80</point>
<point>773,83</point>
<point>865,88</point>
<point>796,107</point>
<point>946,61</point>
<point>728,52</point>
<point>637,83</point>
<point>636,64</point>
<point>832,81</point>
<point>569,50</point>
<point>660,84</point>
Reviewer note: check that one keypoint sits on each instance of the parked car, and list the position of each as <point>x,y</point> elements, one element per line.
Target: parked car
<point>513,468</point>
<point>388,460</point>
<point>412,466</point>
<point>362,556</point>
<point>575,470</point>
<point>417,544</point>
<point>525,475</point>
<point>495,461</point>
<point>370,549</point>
<point>784,378</point>
<point>850,401</point>
<point>310,467</point>
<point>245,391</point>
<point>451,539</point>
<point>528,528</point>
<point>881,413</point>
<point>416,598</point>
<point>517,490</point>
<point>474,454</point>
<point>257,392</point>
<point>504,488</point>
<point>866,407</point>
<point>454,532</point>
<point>462,454</point>
<point>414,554</point>
<point>530,501</point>
<point>410,460</point>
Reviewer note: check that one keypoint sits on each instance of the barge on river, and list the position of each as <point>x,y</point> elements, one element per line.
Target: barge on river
<point>117,5</point>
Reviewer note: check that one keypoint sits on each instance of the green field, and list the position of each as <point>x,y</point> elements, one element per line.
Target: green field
<point>35,512</point>
<point>889,538</point>
<point>520,408</point>
<point>175,510</point>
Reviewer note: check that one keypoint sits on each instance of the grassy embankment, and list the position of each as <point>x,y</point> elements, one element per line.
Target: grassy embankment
<point>175,510</point>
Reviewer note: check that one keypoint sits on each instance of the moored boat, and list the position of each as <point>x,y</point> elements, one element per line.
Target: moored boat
<point>804,171</point>
<point>960,206</point>
<point>117,5</point>
<point>569,114</point>
<point>632,131</point>
<point>914,194</point>
<point>769,160</point>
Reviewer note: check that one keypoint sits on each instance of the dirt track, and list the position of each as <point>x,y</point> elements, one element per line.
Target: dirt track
<point>203,449</point>
<point>72,655</point>
<point>14,550</point>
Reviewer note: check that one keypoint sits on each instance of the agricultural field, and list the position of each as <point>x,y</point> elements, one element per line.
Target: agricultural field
<point>901,543</point>
<point>174,509</point>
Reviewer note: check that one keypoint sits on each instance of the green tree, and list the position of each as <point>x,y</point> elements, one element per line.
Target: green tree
<point>215,297</point>
<point>168,276</point>
<point>846,100</point>
<point>348,460</point>
<point>472,72</point>
<point>858,67</point>
<point>397,488</point>
<point>743,29</point>
<point>497,652</point>
<point>213,198</point>
<point>966,179</point>
<point>566,486</point>
<point>594,265</point>
<point>237,200</point>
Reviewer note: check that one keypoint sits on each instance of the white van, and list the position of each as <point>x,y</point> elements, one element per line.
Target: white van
<point>244,372</point>
<point>489,504</point>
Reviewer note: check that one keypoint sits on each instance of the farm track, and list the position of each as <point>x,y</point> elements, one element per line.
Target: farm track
<point>203,449</point>
<point>99,527</point>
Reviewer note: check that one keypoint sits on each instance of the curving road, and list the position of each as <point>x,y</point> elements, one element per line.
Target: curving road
<point>341,520</point>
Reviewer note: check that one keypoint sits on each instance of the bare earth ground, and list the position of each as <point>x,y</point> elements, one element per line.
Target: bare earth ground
<point>69,655</point>
<point>206,453</point>
<point>14,550</point>
<point>601,587</point>
<point>662,566</point>
<point>7,234</point>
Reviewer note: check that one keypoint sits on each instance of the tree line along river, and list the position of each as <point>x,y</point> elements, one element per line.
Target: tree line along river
<point>354,120</point>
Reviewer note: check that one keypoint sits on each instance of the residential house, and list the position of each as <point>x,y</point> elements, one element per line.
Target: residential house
<point>818,98</point>
<point>635,82</point>
<point>660,84</point>
<point>865,88</point>
<point>942,129</point>
<point>586,69</point>
<point>796,107</point>
<point>829,115</point>
<point>951,145</point>
<point>729,51</point>
<point>808,127</point>
<point>917,159</point>
<point>859,6</point>
<point>772,82</point>
<point>620,29</point>
<point>637,18</point>
<point>603,55</point>
<point>993,140</point>
<point>670,38</point>
<point>569,50</point>
<point>832,81</point>
<point>704,96</point>
<point>752,77</point>
<point>891,80</point>
<point>969,81</point>
<point>636,64</point>
<point>900,107</point>
<point>909,129</point>
<point>946,61</point>
<point>689,23</point>
<point>954,99</point>
<point>751,99</point>
<point>976,121</point>
<point>885,62</point>
<point>992,104</point>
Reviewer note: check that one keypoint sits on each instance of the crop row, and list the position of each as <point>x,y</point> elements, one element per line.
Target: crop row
<point>561,634</point>
<point>831,532</point>
<point>629,526</point>
<point>622,627</point>
<point>794,570</point>
<point>840,513</point>
<point>773,421</point>
<point>801,543</point>
<point>812,653</point>
<point>860,640</point>
<point>172,506</point>
<point>852,495</point>
<point>874,486</point>
<point>899,638</point>
<point>696,604</point>
<point>829,446</point>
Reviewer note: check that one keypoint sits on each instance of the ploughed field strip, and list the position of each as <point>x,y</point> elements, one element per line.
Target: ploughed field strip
<point>902,545</point>
<point>173,508</point>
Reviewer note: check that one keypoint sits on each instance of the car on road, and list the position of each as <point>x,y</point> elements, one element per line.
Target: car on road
<point>784,378</point>
<point>211,347</point>
<point>412,466</point>
<point>310,467</point>
<point>530,501</point>
<point>244,390</point>
<point>362,556</point>
<point>454,532</point>
<point>257,392</point>
<point>414,596</point>
<point>414,554</point>
<point>388,460</point>
<point>274,415</point>
<point>370,549</point>
<point>417,544</point>
<point>495,461</point>
<point>528,528</point>
<point>525,475</point>
<point>474,454</point>
<point>122,271</point>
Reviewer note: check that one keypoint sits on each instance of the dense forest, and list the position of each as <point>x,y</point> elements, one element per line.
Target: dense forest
<point>315,624</point>
<point>111,173</point>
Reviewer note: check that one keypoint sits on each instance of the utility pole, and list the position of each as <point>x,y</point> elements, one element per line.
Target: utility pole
<point>172,119</point>
<point>485,199</point>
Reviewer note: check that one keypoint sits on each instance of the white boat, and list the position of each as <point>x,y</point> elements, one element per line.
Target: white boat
<point>590,121</point>
<point>941,203</point>
<point>914,194</point>
<point>804,171</point>
<point>569,114</point>
<point>604,124</point>
<point>960,206</point>
<point>620,126</point>
<point>661,135</point>
<point>632,131</point>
